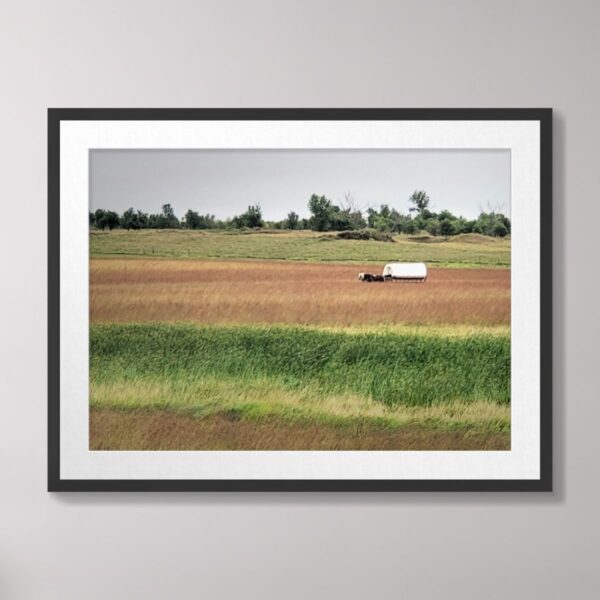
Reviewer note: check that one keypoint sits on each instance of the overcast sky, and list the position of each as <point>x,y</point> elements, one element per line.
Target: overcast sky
<point>225,182</point>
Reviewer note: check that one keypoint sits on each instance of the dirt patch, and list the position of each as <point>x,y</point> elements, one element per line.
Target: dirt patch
<point>473,238</point>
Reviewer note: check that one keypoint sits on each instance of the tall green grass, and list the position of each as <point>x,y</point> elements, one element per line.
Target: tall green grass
<point>390,368</point>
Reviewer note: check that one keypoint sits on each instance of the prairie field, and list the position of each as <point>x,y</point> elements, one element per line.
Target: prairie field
<point>278,375</point>
<point>168,430</point>
<point>250,352</point>
<point>262,292</point>
<point>467,250</point>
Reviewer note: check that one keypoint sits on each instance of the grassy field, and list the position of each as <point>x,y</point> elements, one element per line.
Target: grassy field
<point>232,350</point>
<point>168,430</point>
<point>265,292</point>
<point>469,250</point>
<point>292,376</point>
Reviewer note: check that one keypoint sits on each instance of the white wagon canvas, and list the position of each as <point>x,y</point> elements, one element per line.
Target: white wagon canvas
<point>399,271</point>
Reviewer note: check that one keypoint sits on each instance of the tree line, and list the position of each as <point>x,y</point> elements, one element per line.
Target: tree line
<point>324,216</point>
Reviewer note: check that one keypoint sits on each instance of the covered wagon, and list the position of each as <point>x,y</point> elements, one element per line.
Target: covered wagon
<point>398,271</point>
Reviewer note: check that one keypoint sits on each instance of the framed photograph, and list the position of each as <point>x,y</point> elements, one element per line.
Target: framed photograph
<point>300,299</point>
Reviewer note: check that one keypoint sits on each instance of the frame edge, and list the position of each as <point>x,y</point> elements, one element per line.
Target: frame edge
<point>54,481</point>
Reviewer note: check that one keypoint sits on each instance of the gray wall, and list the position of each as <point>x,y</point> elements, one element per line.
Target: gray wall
<point>267,53</point>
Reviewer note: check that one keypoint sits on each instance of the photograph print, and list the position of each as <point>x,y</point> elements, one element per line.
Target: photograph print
<point>300,300</point>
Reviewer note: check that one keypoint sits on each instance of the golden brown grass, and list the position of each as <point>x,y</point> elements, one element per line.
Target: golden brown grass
<point>263,292</point>
<point>163,430</point>
<point>262,397</point>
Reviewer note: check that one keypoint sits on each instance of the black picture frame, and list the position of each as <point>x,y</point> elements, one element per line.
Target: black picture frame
<point>58,115</point>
